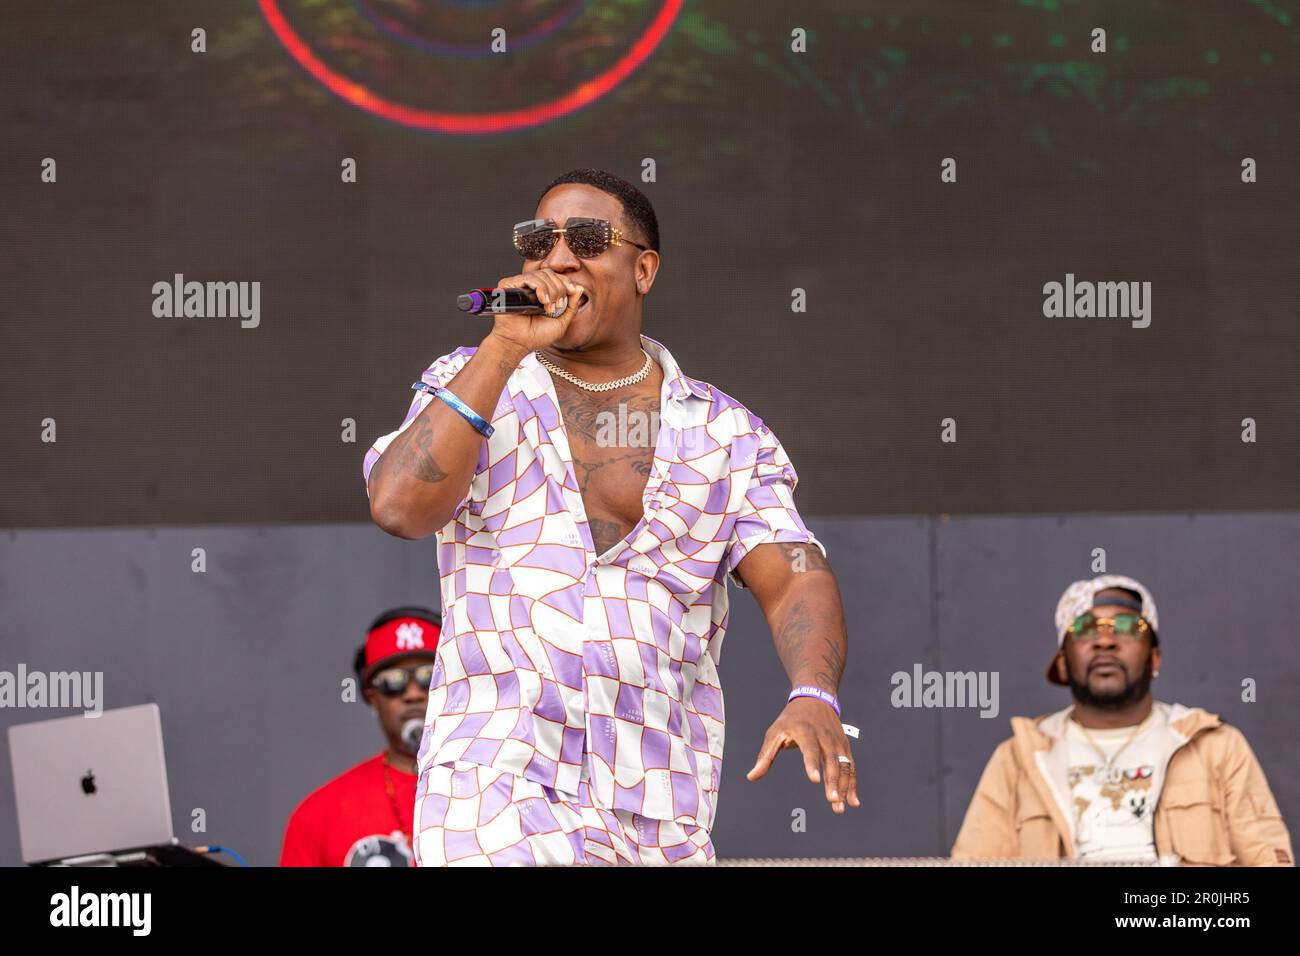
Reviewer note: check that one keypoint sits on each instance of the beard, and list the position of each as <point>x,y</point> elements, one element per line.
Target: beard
<point>1132,691</point>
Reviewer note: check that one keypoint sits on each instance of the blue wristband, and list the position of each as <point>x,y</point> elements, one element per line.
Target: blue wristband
<point>480,424</point>
<point>822,695</point>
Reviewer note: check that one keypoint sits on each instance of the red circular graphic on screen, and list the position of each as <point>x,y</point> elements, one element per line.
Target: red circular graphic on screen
<point>504,121</point>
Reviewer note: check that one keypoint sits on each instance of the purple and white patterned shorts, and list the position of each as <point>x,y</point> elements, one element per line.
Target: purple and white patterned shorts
<point>472,815</point>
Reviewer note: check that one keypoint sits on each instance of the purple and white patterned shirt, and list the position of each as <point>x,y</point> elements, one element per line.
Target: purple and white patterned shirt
<point>552,656</point>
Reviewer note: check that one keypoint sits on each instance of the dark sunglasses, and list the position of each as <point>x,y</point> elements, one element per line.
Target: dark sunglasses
<point>587,238</point>
<point>392,681</point>
<point>1129,627</point>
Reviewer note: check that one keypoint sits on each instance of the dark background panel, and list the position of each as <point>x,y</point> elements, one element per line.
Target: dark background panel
<point>775,171</point>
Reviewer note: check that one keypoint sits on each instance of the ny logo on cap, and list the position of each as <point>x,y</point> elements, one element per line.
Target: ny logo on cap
<point>410,636</point>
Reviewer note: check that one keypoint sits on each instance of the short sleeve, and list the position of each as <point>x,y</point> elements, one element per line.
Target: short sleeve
<point>767,513</point>
<point>437,375</point>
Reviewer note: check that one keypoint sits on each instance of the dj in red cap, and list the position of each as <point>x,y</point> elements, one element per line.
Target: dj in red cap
<point>363,817</point>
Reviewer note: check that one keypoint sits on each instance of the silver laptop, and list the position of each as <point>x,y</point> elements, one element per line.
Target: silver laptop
<point>89,785</point>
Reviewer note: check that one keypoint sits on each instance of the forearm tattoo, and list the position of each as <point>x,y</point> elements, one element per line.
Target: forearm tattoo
<point>807,639</point>
<point>792,636</point>
<point>831,667</point>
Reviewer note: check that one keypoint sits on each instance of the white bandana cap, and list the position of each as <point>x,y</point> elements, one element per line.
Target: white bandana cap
<point>1078,597</point>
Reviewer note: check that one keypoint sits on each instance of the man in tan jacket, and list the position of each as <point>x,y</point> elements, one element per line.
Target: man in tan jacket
<point>1119,776</point>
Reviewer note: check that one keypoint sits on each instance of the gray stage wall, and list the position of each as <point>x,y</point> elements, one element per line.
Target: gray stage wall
<point>246,660</point>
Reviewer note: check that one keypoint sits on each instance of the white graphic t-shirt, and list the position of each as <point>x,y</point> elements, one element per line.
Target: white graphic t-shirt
<point>1115,780</point>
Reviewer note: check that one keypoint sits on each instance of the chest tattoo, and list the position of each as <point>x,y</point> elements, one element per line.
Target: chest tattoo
<point>612,438</point>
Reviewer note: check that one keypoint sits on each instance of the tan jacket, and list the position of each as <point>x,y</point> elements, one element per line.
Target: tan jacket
<point>1214,809</point>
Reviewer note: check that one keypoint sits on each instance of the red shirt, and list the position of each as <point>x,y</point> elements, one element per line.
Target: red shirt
<point>351,821</point>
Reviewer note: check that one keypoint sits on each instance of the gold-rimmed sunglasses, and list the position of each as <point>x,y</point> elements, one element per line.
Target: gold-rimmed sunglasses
<point>1128,627</point>
<point>587,238</point>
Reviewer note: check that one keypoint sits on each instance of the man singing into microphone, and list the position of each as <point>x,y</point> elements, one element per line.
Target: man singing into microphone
<point>590,501</point>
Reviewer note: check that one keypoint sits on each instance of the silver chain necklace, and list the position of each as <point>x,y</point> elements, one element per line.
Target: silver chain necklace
<point>591,386</point>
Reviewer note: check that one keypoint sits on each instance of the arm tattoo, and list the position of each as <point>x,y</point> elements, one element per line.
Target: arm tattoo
<point>415,455</point>
<point>792,636</point>
<point>805,634</point>
<point>832,669</point>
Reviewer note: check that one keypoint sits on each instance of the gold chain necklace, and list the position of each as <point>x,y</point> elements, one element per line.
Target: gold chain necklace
<point>392,799</point>
<point>1108,765</point>
<point>594,387</point>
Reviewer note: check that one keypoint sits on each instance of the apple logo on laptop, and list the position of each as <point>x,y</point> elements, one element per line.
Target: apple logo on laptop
<point>88,782</point>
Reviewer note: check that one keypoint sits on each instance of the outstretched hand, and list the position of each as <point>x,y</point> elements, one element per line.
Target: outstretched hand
<point>814,727</point>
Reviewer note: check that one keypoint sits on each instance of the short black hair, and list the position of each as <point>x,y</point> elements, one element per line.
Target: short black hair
<point>637,209</point>
<point>409,610</point>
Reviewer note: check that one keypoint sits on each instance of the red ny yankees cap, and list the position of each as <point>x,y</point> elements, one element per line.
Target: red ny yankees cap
<point>401,632</point>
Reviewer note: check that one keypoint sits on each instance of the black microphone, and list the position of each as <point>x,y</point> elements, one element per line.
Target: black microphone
<point>523,301</point>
